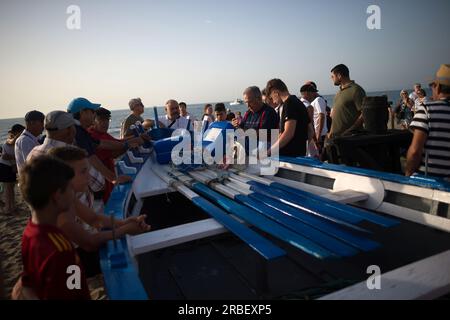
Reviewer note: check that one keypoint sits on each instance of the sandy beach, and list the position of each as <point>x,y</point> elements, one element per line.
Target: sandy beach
<point>11,229</point>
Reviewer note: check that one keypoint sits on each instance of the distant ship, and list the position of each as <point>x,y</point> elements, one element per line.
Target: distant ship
<point>236,102</point>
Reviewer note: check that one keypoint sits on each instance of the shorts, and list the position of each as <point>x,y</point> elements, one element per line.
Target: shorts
<point>7,174</point>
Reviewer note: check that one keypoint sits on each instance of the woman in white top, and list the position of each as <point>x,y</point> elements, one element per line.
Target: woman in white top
<point>8,169</point>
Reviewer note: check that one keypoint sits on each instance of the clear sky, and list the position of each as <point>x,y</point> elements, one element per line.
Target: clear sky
<point>206,50</point>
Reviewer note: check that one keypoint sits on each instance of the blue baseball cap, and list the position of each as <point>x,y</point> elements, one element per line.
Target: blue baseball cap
<point>78,104</point>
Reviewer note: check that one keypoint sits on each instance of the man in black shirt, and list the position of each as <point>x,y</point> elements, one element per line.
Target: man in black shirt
<point>294,120</point>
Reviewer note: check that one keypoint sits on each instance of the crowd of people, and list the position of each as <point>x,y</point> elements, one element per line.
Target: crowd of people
<point>67,176</point>
<point>407,105</point>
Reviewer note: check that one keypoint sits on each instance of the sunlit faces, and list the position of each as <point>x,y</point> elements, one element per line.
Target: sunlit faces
<point>87,117</point>
<point>63,199</point>
<point>221,115</point>
<point>434,91</point>
<point>101,124</point>
<point>172,109</point>
<point>138,107</point>
<point>308,96</point>
<point>36,127</point>
<point>417,88</point>
<point>336,78</point>
<point>68,135</point>
<point>209,110</point>
<point>275,97</point>
<point>183,110</point>
<point>80,182</point>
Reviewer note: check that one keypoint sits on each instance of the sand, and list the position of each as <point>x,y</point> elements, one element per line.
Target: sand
<point>11,230</point>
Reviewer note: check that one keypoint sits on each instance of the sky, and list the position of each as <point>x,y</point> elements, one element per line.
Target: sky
<point>206,51</point>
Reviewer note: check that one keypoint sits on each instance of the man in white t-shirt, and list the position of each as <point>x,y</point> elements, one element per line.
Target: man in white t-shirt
<point>316,110</point>
<point>184,113</point>
<point>173,119</point>
<point>29,138</point>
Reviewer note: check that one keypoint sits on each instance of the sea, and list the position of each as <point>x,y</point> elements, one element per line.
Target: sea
<point>117,116</point>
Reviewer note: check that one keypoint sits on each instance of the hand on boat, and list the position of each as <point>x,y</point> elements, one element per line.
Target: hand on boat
<point>136,226</point>
<point>139,220</point>
<point>135,142</point>
<point>122,179</point>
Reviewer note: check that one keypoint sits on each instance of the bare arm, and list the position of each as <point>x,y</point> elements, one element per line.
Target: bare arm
<point>321,124</point>
<point>415,151</point>
<point>92,241</point>
<point>98,220</point>
<point>111,145</point>
<point>99,166</point>
<point>310,110</point>
<point>108,174</point>
<point>286,136</point>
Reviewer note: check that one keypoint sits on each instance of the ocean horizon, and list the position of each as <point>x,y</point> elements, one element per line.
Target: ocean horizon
<point>117,116</point>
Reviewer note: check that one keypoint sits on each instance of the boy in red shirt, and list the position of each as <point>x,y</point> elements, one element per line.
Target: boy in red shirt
<point>51,266</point>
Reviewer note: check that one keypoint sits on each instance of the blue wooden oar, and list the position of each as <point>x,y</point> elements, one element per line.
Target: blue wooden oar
<point>318,223</point>
<point>303,204</point>
<point>257,242</point>
<point>297,226</point>
<point>263,223</point>
<point>338,207</point>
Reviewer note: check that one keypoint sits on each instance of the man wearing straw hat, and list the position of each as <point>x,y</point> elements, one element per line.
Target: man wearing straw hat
<point>429,152</point>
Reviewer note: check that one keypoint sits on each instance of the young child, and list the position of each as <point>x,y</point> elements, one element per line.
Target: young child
<point>49,259</point>
<point>80,223</point>
<point>220,112</point>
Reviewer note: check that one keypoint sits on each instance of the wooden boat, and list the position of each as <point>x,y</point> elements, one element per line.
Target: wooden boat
<point>190,255</point>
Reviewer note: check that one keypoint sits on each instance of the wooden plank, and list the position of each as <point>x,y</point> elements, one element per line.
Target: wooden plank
<point>344,196</point>
<point>172,236</point>
<point>347,196</point>
<point>147,183</point>
<point>437,195</point>
<point>303,186</point>
<point>311,170</point>
<point>425,279</point>
<point>426,219</point>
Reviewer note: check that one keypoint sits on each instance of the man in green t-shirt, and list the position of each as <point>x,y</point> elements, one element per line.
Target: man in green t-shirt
<point>137,108</point>
<point>347,104</point>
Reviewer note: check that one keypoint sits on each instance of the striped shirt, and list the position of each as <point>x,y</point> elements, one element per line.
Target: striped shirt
<point>97,180</point>
<point>434,118</point>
